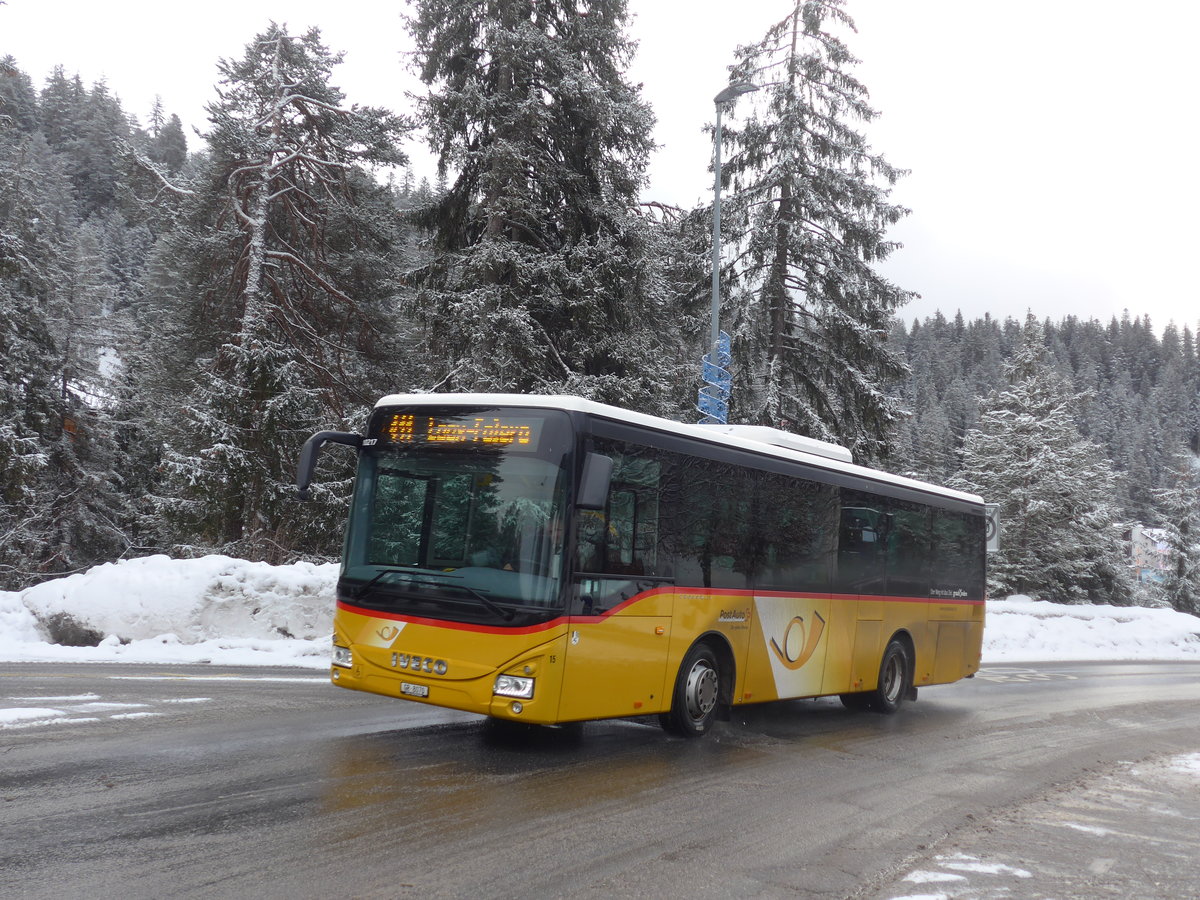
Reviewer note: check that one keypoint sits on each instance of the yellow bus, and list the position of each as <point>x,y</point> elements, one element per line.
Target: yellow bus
<point>549,559</point>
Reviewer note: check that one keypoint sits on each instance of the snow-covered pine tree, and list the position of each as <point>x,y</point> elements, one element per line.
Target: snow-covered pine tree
<point>158,117</point>
<point>32,241</point>
<point>810,315</point>
<point>1061,536</point>
<point>278,335</point>
<point>545,278</point>
<point>168,145</point>
<point>61,102</point>
<point>1178,506</point>
<point>18,99</point>
<point>60,508</point>
<point>1191,380</point>
<point>938,408</point>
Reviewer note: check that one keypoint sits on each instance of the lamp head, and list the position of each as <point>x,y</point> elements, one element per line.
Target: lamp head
<point>734,90</point>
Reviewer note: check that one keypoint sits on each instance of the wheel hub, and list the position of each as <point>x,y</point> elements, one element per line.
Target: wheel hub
<point>701,693</point>
<point>893,680</point>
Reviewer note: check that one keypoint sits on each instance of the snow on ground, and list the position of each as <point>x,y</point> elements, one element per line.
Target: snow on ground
<point>1111,833</point>
<point>231,612</point>
<point>159,610</point>
<point>1022,630</point>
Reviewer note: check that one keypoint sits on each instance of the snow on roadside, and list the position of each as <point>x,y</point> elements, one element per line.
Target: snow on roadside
<point>159,610</point>
<point>1188,764</point>
<point>197,599</point>
<point>1022,630</point>
<point>228,611</point>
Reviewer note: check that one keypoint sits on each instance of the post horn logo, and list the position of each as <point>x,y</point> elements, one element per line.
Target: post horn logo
<point>388,633</point>
<point>796,651</point>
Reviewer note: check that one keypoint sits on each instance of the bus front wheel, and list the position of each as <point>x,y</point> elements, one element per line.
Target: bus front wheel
<point>697,692</point>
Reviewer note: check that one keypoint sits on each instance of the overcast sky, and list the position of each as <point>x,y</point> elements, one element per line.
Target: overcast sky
<point>1051,143</point>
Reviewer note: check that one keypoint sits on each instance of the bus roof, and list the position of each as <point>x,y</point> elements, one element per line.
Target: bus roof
<point>769,441</point>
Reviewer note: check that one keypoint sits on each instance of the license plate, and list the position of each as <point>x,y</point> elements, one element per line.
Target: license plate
<point>414,690</point>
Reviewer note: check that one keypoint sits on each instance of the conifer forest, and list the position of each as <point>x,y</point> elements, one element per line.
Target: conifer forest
<point>180,311</point>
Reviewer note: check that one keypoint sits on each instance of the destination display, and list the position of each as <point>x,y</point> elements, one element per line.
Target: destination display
<point>406,429</point>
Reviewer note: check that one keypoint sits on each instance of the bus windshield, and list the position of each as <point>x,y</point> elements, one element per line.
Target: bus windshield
<point>459,516</point>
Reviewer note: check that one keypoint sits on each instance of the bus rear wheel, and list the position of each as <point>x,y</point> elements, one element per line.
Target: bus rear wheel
<point>893,685</point>
<point>696,694</point>
<point>893,679</point>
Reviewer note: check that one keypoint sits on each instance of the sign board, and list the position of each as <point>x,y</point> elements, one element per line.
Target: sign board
<point>713,400</point>
<point>992,518</point>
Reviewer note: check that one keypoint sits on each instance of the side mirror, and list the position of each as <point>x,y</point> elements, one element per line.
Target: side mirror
<point>593,486</point>
<point>312,449</point>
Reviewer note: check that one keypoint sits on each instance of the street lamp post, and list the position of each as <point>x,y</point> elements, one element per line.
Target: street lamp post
<point>714,396</point>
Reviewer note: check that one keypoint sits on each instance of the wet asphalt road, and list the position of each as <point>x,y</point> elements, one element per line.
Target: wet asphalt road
<point>140,781</point>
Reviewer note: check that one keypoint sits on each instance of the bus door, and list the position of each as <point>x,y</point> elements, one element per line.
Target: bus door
<point>955,615</point>
<point>861,580</point>
<point>619,623</point>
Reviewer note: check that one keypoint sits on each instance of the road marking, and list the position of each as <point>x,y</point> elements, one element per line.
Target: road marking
<point>40,723</point>
<point>960,862</point>
<point>922,877</point>
<point>20,716</point>
<point>83,709</point>
<point>101,706</point>
<point>1089,829</point>
<point>63,699</point>
<point>1012,675</point>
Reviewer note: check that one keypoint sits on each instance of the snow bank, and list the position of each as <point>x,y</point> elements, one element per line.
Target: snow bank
<point>17,623</point>
<point>231,612</point>
<point>1022,630</point>
<point>156,609</point>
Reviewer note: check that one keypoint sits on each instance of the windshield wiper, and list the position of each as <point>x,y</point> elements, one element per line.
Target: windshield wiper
<point>490,605</point>
<point>503,612</point>
<point>361,590</point>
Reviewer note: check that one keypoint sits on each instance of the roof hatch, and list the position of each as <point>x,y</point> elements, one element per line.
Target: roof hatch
<point>779,438</point>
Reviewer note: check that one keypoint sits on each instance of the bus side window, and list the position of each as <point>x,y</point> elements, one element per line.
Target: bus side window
<point>590,528</point>
<point>861,545</point>
<point>712,537</point>
<point>958,553</point>
<point>624,538</point>
<point>909,549</point>
<point>622,525</point>
<point>799,531</point>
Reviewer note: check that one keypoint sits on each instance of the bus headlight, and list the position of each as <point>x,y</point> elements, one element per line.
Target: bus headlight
<point>342,657</point>
<point>513,686</point>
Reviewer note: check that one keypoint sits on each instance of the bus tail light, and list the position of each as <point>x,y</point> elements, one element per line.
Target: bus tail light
<point>513,686</point>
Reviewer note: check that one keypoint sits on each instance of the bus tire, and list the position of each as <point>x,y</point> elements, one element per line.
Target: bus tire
<point>894,677</point>
<point>696,695</point>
